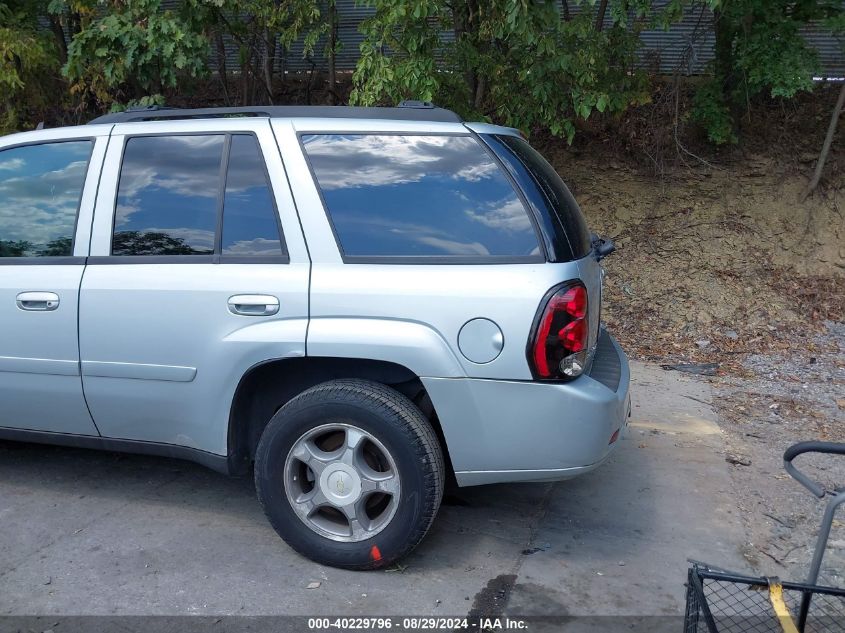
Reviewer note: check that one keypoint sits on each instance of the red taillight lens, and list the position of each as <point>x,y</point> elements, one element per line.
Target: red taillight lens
<point>573,336</point>
<point>575,302</point>
<point>561,331</point>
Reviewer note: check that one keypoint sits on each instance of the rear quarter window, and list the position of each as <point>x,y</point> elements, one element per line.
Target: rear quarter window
<point>419,196</point>
<point>564,227</point>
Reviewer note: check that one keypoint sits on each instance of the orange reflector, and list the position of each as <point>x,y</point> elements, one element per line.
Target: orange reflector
<point>614,437</point>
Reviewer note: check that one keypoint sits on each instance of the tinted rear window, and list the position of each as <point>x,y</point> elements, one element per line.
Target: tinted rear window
<point>391,195</point>
<point>167,196</point>
<point>565,229</point>
<point>173,193</point>
<point>250,225</point>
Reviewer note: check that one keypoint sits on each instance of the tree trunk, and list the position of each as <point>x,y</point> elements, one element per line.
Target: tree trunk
<point>600,15</point>
<point>333,52</point>
<point>251,69</point>
<point>245,84</point>
<point>270,48</point>
<point>480,89</point>
<point>566,15</point>
<point>59,35</point>
<point>725,34</point>
<point>828,139</point>
<point>312,71</point>
<point>465,15</point>
<point>222,70</point>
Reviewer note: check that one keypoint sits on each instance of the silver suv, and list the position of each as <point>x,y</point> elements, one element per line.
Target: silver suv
<point>360,304</point>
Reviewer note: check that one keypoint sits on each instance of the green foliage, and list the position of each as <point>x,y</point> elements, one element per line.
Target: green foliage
<point>134,50</point>
<point>531,64</point>
<point>512,60</point>
<point>151,243</point>
<point>713,114</point>
<point>143,102</point>
<point>14,248</point>
<point>759,51</point>
<point>262,30</point>
<point>24,248</point>
<point>398,56</point>
<point>552,76</point>
<point>27,59</point>
<point>243,20</point>
<point>770,53</point>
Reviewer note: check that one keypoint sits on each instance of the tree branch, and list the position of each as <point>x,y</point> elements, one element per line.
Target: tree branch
<point>600,15</point>
<point>828,139</point>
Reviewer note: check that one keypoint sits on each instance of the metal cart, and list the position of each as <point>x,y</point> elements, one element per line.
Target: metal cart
<point>719,601</point>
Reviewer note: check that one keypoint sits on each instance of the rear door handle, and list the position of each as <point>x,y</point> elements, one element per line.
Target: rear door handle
<point>253,305</point>
<point>38,301</point>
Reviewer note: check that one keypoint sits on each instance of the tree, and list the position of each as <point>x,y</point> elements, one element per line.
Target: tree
<point>836,23</point>
<point>332,46</point>
<point>28,60</point>
<point>131,53</point>
<point>398,55</point>
<point>512,60</point>
<point>828,139</point>
<point>759,50</point>
<point>59,247</point>
<point>14,248</point>
<point>151,243</point>
<point>261,30</point>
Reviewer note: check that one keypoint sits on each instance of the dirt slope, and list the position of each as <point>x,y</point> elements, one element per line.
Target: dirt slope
<point>712,261</point>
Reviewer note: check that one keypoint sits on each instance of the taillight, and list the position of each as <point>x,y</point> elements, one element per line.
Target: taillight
<point>558,345</point>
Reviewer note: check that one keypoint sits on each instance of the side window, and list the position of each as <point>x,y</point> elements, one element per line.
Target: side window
<point>545,189</point>
<point>250,219</point>
<point>169,198</point>
<point>40,190</point>
<point>392,195</point>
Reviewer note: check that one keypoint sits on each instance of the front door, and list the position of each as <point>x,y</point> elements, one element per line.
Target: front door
<point>47,190</point>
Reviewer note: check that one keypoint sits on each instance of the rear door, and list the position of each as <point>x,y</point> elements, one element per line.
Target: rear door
<point>47,190</point>
<point>198,272</point>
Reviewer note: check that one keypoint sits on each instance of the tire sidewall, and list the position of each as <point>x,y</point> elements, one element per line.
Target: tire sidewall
<point>286,427</point>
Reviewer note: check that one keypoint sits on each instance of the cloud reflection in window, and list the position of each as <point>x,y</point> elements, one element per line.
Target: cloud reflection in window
<point>419,195</point>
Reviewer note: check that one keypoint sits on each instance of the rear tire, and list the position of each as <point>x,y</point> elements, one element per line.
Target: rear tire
<point>350,474</point>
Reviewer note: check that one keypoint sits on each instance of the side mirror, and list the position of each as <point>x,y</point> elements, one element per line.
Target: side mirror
<point>602,247</point>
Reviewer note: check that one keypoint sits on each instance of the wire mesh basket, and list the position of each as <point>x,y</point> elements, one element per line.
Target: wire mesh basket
<point>723,602</point>
<point>719,601</point>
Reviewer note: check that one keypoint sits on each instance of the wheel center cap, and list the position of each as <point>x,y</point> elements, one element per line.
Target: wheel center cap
<point>340,484</point>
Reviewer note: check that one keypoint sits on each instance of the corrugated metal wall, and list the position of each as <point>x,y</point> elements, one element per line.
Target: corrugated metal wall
<point>686,47</point>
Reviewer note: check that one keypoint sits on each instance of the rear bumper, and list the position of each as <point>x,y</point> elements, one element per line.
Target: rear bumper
<point>500,431</point>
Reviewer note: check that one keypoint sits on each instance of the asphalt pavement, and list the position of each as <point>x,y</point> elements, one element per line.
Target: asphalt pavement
<point>92,533</point>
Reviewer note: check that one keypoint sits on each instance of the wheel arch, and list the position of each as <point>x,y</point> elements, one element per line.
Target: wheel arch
<point>267,386</point>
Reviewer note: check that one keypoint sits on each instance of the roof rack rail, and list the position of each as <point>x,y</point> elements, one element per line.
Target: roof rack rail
<point>148,108</point>
<point>406,111</point>
<point>427,105</point>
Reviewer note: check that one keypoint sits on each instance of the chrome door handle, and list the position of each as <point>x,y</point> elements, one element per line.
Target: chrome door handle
<point>37,301</point>
<point>253,305</point>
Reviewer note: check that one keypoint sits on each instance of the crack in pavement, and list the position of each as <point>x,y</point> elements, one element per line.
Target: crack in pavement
<point>493,598</point>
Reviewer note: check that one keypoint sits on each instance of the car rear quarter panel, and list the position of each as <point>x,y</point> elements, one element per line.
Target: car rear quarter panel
<point>412,314</point>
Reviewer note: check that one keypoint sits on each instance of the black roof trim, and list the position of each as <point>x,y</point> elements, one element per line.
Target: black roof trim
<point>407,111</point>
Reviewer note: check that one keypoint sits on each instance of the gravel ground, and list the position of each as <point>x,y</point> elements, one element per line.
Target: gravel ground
<point>783,398</point>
